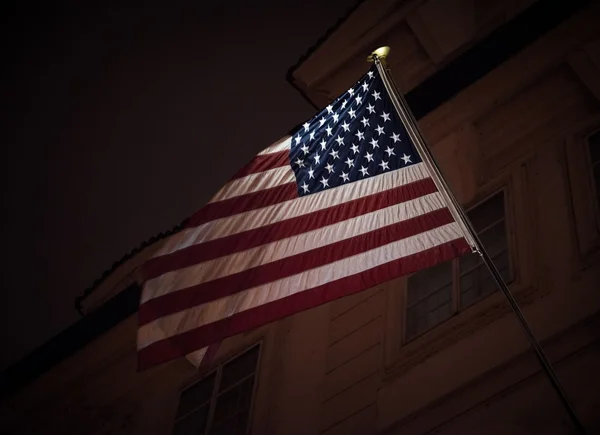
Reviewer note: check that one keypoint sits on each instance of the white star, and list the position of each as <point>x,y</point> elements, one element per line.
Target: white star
<point>299,162</point>
<point>365,86</point>
<point>329,167</point>
<point>304,149</point>
<point>321,122</point>
<point>305,187</point>
<point>364,121</point>
<point>370,108</point>
<point>369,157</point>
<point>323,144</point>
<point>354,148</point>
<point>329,109</point>
<point>351,91</point>
<point>352,113</point>
<point>358,99</point>
<point>328,130</point>
<point>385,116</point>
<point>384,165</point>
<point>359,134</point>
<point>297,139</point>
<point>406,159</point>
<point>379,129</point>
<point>395,137</point>
<point>334,154</point>
<point>324,181</point>
<point>376,95</point>
<point>349,162</point>
<point>365,171</point>
<point>344,104</point>
<point>345,126</point>
<point>339,140</point>
<point>370,74</point>
<point>311,173</point>
<point>336,117</point>
<point>344,176</point>
<point>316,157</point>
<point>374,143</point>
<point>312,135</point>
<point>306,126</point>
<point>390,152</point>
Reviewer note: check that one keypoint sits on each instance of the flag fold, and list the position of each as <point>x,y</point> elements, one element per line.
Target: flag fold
<point>342,205</point>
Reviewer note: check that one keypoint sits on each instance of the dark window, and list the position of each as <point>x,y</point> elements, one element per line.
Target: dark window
<point>435,294</point>
<point>594,148</point>
<point>221,402</point>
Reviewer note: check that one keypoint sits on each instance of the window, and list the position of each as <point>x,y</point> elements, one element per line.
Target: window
<point>221,402</point>
<point>582,151</point>
<point>594,149</point>
<point>435,294</point>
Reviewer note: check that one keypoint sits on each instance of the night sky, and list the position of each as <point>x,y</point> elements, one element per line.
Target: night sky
<point>119,122</point>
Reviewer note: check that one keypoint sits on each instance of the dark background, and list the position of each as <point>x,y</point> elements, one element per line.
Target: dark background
<point>119,122</point>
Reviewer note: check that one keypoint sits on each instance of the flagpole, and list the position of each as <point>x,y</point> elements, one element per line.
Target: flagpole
<point>415,134</point>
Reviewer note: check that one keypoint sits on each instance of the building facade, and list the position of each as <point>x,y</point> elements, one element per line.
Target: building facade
<point>507,94</point>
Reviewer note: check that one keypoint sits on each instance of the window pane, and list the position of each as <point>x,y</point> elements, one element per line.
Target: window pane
<point>594,142</point>
<point>194,423</point>
<point>196,395</point>
<point>479,283</point>
<point>233,408</point>
<point>500,260</point>
<point>245,397</point>
<point>475,281</point>
<point>597,180</point>
<point>227,405</point>
<point>235,425</point>
<point>224,408</point>
<point>239,368</point>
<point>594,147</point>
<point>494,238</point>
<point>428,298</point>
<point>427,281</point>
<point>469,261</point>
<point>487,213</point>
<point>430,311</point>
<point>225,427</point>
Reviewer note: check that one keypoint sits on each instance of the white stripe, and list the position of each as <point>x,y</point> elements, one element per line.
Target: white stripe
<point>283,144</point>
<point>215,310</point>
<point>234,263</point>
<point>293,208</point>
<point>255,182</point>
<point>196,357</point>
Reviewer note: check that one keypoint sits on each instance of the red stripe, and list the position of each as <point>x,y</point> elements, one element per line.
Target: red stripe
<point>243,203</point>
<point>182,344</point>
<point>264,162</point>
<point>192,296</point>
<point>269,233</point>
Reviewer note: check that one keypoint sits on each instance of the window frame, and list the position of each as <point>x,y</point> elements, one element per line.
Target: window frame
<point>218,371</point>
<point>584,207</point>
<point>455,272</point>
<point>590,170</point>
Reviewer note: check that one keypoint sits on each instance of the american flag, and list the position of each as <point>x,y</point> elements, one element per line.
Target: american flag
<point>342,205</point>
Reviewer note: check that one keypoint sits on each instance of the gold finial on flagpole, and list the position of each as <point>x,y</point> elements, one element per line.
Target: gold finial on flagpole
<point>381,53</point>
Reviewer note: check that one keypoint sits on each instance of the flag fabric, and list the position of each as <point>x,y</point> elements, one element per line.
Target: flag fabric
<point>342,205</point>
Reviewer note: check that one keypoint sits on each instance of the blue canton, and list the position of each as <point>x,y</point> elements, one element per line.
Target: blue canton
<point>358,136</point>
